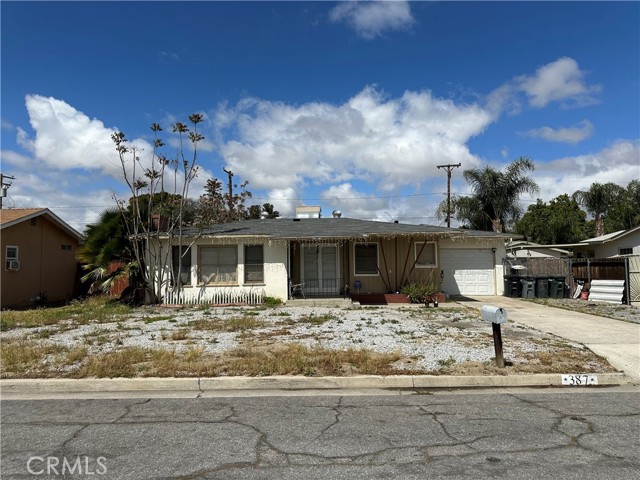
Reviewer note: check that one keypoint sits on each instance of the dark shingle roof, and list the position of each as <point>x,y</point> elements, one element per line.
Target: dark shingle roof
<point>332,228</point>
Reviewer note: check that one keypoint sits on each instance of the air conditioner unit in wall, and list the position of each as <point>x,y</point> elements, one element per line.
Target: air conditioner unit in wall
<point>13,265</point>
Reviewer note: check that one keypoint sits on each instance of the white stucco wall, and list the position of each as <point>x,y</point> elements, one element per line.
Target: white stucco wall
<point>275,273</point>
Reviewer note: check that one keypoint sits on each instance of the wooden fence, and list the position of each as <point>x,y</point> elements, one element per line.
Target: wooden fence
<point>583,270</point>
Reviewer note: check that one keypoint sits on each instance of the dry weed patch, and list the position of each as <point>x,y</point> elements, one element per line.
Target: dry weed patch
<point>94,309</point>
<point>233,324</point>
<point>30,359</point>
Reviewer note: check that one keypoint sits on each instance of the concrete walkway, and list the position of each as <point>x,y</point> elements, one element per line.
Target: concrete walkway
<point>616,340</point>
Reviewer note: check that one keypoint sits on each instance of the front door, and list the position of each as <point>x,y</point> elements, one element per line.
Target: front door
<point>320,272</point>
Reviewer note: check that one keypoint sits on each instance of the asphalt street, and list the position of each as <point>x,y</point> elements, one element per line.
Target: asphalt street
<point>555,433</point>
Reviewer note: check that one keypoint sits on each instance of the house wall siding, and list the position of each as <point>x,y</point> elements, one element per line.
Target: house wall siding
<point>44,265</point>
<point>609,249</point>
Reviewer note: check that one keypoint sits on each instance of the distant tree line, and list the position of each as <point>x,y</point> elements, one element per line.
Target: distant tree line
<point>494,205</point>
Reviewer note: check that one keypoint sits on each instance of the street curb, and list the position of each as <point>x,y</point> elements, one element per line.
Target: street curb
<point>203,385</point>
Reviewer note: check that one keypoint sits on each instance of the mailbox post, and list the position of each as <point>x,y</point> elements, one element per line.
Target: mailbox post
<point>497,316</point>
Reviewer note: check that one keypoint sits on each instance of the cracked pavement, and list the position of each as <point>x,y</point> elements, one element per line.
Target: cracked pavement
<point>554,434</point>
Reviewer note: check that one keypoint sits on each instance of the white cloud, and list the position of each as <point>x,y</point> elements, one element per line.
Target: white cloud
<point>15,159</point>
<point>373,18</point>
<point>561,80</point>
<point>66,138</point>
<point>618,163</point>
<point>388,142</point>
<point>351,202</point>
<point>168,56</point>
<point>572,135</point>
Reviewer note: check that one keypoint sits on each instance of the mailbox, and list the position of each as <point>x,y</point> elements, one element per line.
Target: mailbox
<point>494,314</point>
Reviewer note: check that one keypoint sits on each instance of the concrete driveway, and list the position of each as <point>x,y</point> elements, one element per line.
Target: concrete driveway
<point>616,340</point>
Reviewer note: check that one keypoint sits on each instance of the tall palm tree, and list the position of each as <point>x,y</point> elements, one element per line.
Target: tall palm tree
<point>498,192</point>
<point>597,201</point>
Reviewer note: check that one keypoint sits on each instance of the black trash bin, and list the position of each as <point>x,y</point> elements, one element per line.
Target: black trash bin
<point>512,286</point>
<point>542,287</point>
<point>553,288</point>
<point>561,287</point>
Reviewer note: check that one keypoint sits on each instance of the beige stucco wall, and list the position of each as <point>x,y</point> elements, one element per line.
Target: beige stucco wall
<point>612,248</point>
<point>44,265</point>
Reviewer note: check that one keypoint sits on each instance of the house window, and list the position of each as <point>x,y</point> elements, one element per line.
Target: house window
<point>65,246</point>
<point>218,264</point>
<point>366,259</point>
<point>12,262</point>
<point>625,251</point>
<point>253,264</point>
<point>181,262</point>
<point>425,254</point>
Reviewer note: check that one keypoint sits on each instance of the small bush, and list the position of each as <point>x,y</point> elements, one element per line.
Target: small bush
<point>272,301</point>
<point>417,292</point>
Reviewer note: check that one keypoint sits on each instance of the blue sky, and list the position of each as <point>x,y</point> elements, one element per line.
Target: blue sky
<point>347,105</point>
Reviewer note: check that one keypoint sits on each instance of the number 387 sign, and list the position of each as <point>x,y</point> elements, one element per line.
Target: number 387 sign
<point>579,380</point>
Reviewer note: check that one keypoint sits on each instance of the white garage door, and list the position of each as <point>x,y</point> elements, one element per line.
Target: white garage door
<point>468,271</point>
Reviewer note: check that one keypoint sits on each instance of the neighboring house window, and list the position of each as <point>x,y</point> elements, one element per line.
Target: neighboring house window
<point>366,259</point>
<point>65,246</point>
<point>253,264</point>
<point>12,262</point>
<point>184,268</point>
<point>625,251</point>
<point>425,254</point>
<point>218,264</point>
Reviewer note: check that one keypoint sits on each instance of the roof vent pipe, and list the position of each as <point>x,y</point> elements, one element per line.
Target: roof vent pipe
<point>336,214</point>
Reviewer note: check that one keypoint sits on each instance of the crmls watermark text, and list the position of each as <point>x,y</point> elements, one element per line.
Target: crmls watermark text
<point>80,465</point>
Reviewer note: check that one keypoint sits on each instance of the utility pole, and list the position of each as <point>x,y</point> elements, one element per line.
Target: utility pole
<point>5,186</point>
<point>230,173</point>
<point>448,168</point>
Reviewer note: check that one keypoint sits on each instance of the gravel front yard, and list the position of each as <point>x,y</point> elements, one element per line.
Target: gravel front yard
<point>162,341</point>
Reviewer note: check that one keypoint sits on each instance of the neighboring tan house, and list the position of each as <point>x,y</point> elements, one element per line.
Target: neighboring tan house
<point>624,242</point>
<point>39,257</point>
<point>332,257</point>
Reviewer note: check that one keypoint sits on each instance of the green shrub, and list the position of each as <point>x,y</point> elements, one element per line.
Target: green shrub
<point>418,291</point>
<point>271,301</point>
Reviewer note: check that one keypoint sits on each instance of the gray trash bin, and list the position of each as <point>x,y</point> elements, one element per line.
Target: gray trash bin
<point>528,288</point>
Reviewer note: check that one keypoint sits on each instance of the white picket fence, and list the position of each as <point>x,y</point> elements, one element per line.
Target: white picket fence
<point>214,297</point>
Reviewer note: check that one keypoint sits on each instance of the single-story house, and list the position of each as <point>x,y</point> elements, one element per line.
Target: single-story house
<point>623,242</point>
<point>39,257</point>
<point>330,257</point>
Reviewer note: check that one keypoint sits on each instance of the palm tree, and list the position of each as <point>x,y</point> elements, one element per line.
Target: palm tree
<point>106,242</point>
<point>597,201</point>
<point>496,195</point>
